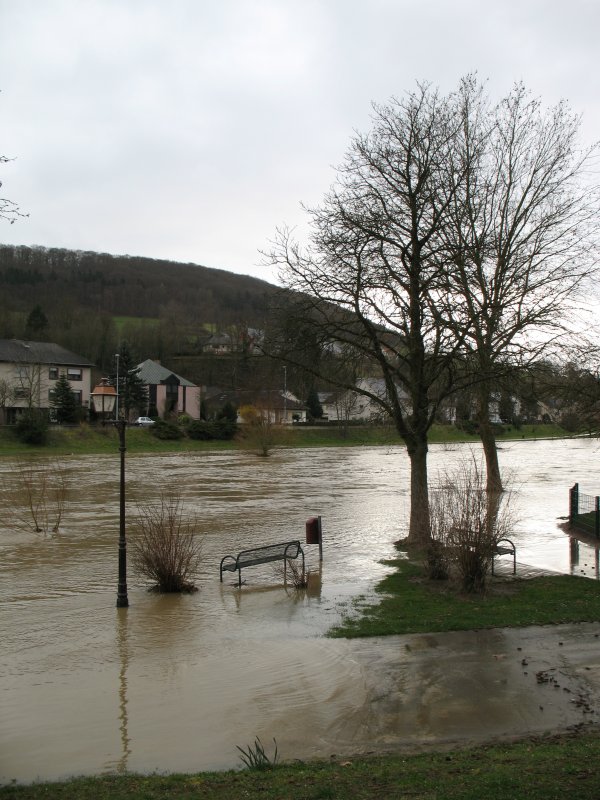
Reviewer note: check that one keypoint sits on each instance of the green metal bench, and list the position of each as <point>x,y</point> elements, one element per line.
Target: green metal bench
<point>261,555</point>
<point>505,547</point>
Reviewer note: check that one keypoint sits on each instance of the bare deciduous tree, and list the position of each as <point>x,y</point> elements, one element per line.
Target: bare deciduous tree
<point>524,235</point>
<point>448,253</point>
<point>6,397</point>
<point>9,210</point>
<point>374,280</point>
<point>28,379</point>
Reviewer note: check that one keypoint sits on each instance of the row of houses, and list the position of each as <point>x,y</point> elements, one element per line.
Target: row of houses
<point>29,372</point>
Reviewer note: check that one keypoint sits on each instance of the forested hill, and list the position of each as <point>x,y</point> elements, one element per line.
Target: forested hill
<point>126,286</point>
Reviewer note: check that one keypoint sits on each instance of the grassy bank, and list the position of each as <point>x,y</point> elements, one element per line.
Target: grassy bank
<point>410,603</point>
<point>539,769</point>
<point>85,439</point>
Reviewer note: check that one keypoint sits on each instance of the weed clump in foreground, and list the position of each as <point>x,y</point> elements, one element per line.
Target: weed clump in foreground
<point>254,756</point>
<point>166,548</point>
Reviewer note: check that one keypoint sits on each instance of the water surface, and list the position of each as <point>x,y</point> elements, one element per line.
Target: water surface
<point>174,683</point>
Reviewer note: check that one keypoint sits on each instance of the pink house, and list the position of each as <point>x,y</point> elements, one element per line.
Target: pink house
<point>169,392</point>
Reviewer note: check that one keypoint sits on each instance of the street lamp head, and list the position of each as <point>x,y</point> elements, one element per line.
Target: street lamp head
<point>104,397</point>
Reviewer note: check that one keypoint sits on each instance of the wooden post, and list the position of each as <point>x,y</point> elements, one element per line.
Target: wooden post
<point>573,502</point>
<point>597,517</point>
<point>320,539</point>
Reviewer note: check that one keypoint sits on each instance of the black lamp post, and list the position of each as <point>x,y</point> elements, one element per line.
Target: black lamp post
<point>104,398</point>
<point>122,600</point>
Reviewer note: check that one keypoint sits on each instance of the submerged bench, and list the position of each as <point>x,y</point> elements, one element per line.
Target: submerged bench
<point>261,555</point>
<point>505,547</point>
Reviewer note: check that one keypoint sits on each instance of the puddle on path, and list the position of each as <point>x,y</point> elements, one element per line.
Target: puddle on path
<point>175,683</point>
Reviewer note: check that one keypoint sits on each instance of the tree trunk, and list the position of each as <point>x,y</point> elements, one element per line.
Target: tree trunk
<point>419,533</point>
<point>488,440</point>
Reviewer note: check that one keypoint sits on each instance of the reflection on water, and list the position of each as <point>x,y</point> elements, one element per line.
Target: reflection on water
<point>585,559</point>
<point>176,682</point>
<point>122,621</point>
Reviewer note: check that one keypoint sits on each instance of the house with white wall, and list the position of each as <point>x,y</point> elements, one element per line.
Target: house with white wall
<point>354,405</point>
<point>28,374</point>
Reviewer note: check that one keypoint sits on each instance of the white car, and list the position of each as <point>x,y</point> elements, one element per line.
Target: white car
<point>144,421</point>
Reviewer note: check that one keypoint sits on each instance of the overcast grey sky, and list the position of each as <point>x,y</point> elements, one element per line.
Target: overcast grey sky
<point>191,129</point>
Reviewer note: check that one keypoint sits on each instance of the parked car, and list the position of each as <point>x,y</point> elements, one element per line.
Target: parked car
<point>144,421</point>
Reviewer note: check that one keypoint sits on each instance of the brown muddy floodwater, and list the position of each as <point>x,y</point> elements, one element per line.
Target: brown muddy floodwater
<point>174,683</point>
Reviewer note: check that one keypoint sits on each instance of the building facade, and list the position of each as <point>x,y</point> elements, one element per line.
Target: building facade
<point>28,375</point>
<point>168,392</point>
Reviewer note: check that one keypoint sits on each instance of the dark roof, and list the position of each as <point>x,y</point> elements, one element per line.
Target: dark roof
<point>264,398</point>
<point>17,351</point>
<point>153,373</point>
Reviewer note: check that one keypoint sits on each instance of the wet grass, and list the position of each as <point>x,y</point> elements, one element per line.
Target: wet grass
<point>89,440</point>
<point>538,769</point>
<point>411,603</point>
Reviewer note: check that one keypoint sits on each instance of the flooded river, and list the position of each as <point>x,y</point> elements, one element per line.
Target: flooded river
<point>175,683</point>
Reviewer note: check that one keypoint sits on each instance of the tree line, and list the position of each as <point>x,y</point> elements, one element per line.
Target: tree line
<point>127,285</point>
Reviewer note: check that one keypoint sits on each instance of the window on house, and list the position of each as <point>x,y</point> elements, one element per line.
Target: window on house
<point>53,373</point>
<point>78,395</point>
<point>73,374</point>
<point>172,395</point>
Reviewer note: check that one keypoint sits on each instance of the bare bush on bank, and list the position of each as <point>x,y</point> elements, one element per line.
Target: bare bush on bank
<point>166,546</point>
<point>467,521</point>
<point>259,433</point>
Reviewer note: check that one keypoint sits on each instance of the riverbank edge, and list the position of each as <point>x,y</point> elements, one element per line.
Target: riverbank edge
<point>87,440</point>
<point>409,601</point>
<point>543,767</point>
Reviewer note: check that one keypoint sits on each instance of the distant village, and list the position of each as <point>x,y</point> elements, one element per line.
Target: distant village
<point>30,372</point>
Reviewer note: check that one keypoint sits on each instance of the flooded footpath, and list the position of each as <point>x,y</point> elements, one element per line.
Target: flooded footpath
<point>175,683</point>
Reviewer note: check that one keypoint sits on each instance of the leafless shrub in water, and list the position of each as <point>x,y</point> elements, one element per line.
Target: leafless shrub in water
<point>292,571</point>
<point>466,523</point>
<point>166,547</point>
<point>40,497</point>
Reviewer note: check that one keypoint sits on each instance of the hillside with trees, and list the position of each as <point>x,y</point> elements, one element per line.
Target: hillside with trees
<point>88,302</point>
